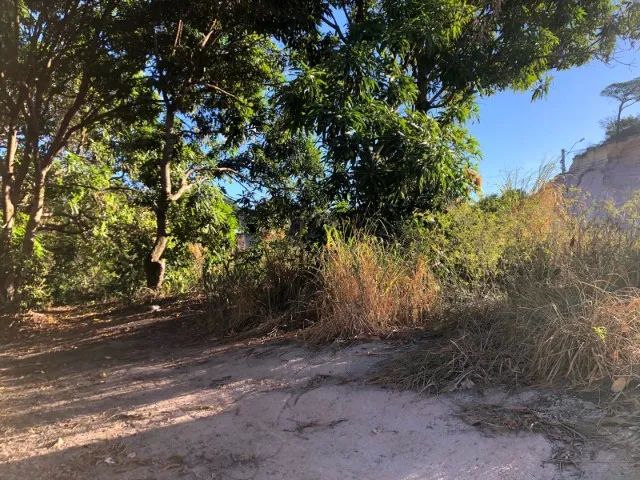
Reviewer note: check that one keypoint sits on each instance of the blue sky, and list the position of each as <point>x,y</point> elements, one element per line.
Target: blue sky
<point>517,135</point>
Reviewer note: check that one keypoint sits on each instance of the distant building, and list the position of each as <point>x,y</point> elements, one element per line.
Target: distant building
<point>607,173</point>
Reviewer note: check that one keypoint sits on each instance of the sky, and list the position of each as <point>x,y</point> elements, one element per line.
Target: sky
<point>517,135</point>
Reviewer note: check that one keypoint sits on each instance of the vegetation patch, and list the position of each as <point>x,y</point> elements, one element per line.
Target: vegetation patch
<point>368,287</point>
<point>565,309</point>
<point>519,288</point>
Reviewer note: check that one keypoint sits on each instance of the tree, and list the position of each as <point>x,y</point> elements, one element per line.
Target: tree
<point>99,223</point>
<point>627,94</point>
<point>69,65</point>
<point>387,86</point>
<point>61,73</point>
<point>196,213</point>
<point>208,71</point>
<point>456,49</point>
<point>284,185</point>
<point>93,234</point>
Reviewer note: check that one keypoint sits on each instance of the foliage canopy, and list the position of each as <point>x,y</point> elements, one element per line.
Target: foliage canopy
<point>121,121</point>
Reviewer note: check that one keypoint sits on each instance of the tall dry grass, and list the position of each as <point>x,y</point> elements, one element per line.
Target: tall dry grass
<point>261,289</point>
<point>594,340</point>
<point>369,287</point>
<point>354,286</point>
<point>561,305</point>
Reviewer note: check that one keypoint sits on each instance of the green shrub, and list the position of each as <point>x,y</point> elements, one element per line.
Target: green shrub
<point>473,245</point>
<point>270,281</point>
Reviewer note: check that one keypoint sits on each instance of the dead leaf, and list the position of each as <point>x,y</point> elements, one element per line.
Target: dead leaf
<point>619,384</point>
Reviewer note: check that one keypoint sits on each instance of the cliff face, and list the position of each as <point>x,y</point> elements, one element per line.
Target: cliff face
<point>609,172</point>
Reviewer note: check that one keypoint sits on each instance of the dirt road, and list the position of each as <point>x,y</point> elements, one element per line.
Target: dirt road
<point>142,395</point>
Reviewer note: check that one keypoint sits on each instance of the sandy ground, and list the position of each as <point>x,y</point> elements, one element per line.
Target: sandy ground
<point>139,396</point>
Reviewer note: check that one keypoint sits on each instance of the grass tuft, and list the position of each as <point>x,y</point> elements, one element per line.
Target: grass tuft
<point>368,287</point>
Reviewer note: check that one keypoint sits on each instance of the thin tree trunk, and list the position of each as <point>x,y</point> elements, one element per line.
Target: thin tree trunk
<point>361,11</point>
<point>7,260</point>
<point>36,210</point>
<point>156,264</point>
<point>421,76</point>
<point>619,118</point>
<point>7,287</point>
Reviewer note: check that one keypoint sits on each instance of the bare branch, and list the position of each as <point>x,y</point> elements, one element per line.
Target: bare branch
<point>222,90</point>
<point>333,23</point>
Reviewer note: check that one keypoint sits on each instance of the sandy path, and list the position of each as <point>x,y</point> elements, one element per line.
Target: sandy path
<point>137,397</point>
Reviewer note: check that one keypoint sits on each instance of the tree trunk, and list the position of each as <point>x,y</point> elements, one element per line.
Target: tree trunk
<point>10,185</point>
<point>155,265</point>
<point>361,11</point>
<point>7,287</point>
<point>619,118</point>
<point>421,76</point>
<point>36,210</point>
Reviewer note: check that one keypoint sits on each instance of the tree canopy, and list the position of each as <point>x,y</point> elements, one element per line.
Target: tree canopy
<point>123,121</point>
<point>626,94</point>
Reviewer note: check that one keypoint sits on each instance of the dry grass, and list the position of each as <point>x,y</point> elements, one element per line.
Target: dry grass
<point>479,350</point>
<point>566,434</point>
<point>596,340</point>
<point>564,310</point>
<point>262,289</point>
<point>367,287</point>
<point>588,344</point>
<point>582,341</point>
<point>359,286</point>
<point>498,419</point>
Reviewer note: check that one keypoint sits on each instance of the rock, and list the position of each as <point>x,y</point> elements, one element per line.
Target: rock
<point>58,443</point>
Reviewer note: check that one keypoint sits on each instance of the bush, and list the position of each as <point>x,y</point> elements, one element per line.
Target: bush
<point>473,245</point>
<point>267,285</point>
<point>352,287</point>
